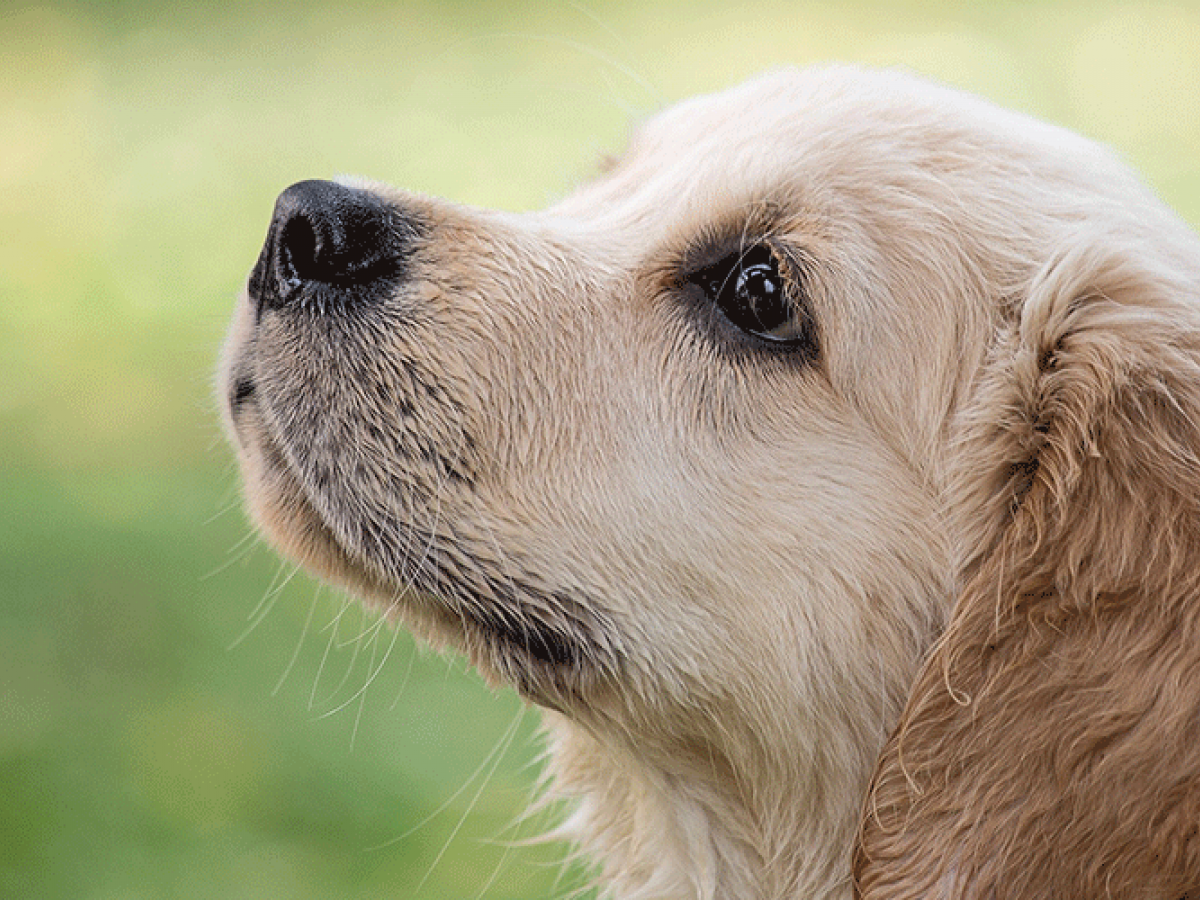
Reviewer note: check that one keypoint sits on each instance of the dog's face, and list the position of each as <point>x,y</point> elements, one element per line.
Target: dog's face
<point>636,439</point>
<point>679,457</point>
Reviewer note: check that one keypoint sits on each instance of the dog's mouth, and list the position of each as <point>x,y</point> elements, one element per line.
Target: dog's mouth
<point>361,464</point>
<point>546,642</point>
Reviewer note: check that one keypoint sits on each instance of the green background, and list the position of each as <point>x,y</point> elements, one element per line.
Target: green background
<point>181,714</point>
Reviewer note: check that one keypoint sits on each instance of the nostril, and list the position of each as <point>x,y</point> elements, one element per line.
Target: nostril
<point>302,254</point>
<point>328,232</point>
<point>330,243</point>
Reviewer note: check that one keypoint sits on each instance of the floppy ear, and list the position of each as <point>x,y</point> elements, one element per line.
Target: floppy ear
<point>1050,747</point>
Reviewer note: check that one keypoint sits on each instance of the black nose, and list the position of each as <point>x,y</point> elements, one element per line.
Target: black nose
<point>330,247</point>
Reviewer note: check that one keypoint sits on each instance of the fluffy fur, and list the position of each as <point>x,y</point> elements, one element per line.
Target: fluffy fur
<point>967,517</point>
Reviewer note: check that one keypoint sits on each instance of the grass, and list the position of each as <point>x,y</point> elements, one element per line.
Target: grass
<point>182,715</point>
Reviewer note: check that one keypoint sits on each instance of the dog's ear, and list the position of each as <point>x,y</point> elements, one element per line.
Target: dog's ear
<point>1051,744</point>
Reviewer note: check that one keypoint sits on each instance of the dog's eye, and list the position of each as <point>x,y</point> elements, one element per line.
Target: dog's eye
<point>754,295</point>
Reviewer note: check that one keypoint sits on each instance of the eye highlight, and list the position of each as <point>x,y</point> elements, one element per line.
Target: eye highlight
<point>758,294</point>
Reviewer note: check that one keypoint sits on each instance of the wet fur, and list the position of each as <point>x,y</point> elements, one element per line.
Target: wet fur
<point>969,521</point>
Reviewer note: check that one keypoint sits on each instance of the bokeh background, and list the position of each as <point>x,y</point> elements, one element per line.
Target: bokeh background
<point>181,714</point>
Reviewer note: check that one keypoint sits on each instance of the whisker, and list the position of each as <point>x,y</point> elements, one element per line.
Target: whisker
<point>312,697</point>
<point>362,692</point>
<point>373,670</point>
<point>356,649</point>
<point>408,670</point>
<point>371,627</point>
<point>499,746</point>
<point>260,613</point>
<point>227,506</point>
<point>275,586</point>
<point>503,747</point>
<point>655,96</point>
<point>238,552</point>
<point>300,642</point>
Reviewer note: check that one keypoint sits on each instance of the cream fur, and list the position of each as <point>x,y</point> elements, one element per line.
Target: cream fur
<point>718,566</point>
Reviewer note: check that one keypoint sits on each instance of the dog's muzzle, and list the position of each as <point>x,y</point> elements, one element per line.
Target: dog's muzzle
<point>330,248</point>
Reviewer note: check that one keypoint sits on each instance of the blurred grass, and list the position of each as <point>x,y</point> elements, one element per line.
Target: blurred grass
<point>162,736</point>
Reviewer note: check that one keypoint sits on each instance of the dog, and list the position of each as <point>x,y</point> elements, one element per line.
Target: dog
<point>826,469</point>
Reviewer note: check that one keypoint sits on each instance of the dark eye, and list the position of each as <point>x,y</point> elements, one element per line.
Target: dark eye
<point>754,295</point>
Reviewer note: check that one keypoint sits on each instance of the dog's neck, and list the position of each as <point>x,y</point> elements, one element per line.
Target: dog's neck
<point>708,821</point>
<point>747,788</point>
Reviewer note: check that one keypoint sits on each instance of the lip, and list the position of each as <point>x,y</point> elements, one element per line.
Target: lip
<point>488,620</point>
<point>242,391</point>
<point>285,513</point>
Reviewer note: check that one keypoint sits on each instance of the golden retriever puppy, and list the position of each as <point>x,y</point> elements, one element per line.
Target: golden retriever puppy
<point>826,469</point>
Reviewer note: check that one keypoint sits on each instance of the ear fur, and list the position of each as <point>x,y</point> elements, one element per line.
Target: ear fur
<point>1051,744</point>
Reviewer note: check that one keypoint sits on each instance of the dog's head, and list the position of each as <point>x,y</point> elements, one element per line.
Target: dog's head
<point>704,457</point>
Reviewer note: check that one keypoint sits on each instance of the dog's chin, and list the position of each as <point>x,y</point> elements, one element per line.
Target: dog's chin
<point>554,661</point>
<point>281,509</point>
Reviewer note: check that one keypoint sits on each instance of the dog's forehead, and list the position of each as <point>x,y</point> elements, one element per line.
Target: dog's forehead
<point>742,139</point>
<point>744,116</point>
<point>782,136</point>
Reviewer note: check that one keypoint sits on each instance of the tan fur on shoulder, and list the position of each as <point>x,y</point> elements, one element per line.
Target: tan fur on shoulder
<point>841,406</point>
